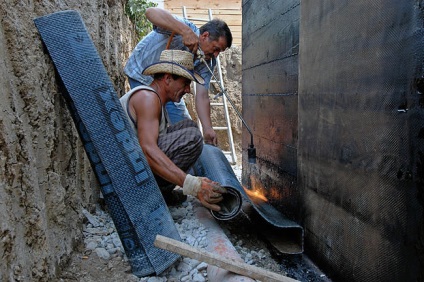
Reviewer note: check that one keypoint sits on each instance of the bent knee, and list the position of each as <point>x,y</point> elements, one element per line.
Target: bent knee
<point>195,134</point>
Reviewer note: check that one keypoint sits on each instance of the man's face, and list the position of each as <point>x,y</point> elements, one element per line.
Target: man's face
<point>178,88</point>
<point>212,48</point>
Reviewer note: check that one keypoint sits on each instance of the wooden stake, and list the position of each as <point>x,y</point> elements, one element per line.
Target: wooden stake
<point>222,262</point>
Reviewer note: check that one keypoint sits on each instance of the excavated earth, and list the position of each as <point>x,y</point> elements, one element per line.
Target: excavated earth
<point>47,187</point>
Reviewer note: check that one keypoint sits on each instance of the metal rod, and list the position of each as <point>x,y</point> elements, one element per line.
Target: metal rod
<point>231,102</point>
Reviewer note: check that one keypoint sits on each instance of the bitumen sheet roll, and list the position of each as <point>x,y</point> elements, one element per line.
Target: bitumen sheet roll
<point>214,165</point>
<point>131,193</point>
<point>361,125</point>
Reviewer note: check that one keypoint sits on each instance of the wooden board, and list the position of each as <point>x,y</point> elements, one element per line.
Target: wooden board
<point>228,11</point>
<point>213,4</point>
<point>220,261</point>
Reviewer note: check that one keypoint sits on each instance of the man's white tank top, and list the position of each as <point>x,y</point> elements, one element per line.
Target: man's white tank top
<point>163,124</point>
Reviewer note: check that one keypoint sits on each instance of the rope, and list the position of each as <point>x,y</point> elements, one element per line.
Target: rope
<point>170,39</point>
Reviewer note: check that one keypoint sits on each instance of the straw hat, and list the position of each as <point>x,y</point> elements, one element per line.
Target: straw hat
<point>175,62</point>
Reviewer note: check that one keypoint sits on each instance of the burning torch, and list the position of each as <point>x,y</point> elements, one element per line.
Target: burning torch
<point>251,150</point>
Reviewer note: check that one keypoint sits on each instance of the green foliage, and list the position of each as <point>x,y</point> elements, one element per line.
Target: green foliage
<point>135,10</point>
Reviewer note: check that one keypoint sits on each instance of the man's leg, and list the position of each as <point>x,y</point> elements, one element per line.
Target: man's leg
<point>183,144</point>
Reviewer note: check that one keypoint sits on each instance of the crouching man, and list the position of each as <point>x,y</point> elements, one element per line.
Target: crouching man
<point>170,150</point>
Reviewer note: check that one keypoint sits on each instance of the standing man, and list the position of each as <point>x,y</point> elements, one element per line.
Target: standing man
<point>212,38</point>
<point>170,150</point>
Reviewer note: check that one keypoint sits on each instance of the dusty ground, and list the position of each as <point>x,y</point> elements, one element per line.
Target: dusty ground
<point>242,231</point>
<point>88,267</point>
<point>85,265</point>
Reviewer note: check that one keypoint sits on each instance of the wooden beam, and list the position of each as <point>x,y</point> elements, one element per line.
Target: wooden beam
<point>219,261</point>
<point>199,4</point>
<point>203,12</point>
<point>230,12</point>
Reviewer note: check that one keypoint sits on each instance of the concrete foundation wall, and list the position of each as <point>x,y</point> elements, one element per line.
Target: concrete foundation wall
<point>338,124</point>
<point>270,97</point>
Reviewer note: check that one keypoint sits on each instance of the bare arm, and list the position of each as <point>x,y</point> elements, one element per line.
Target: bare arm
<point>203,109</point>
<point>165,20</point>
<point>147,109</point>
<point>148,113</point>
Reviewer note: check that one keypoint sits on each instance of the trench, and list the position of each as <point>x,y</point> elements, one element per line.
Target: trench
<point>257,228</point>
<point>243,233</point>
<point>106,260</point>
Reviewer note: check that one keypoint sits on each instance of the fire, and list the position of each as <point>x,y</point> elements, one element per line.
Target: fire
<point>255,194</point>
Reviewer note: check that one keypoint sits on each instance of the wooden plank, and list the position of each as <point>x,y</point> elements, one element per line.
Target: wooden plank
<point>233,21</point>
<point>230,12</point>
<point>213,4</point>
<point>205,9</point>
<point>219,261</point>
<point>229,20</point>
<point>205,13</point>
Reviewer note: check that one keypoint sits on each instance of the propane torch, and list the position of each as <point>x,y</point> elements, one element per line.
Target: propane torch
<point>251,150</point>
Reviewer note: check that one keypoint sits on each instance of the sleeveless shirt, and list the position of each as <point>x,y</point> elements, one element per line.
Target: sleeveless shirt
<point>163,124</point>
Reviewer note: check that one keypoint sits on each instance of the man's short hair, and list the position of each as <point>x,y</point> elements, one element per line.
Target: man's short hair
<point>218,28</point>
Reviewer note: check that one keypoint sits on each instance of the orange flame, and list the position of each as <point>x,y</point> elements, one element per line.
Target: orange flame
<point>255,194</point>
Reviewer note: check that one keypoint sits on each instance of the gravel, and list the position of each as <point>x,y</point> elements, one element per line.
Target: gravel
<point>101,239</point>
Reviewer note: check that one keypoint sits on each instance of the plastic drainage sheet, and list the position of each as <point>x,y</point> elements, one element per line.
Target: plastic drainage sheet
<point>213,164</point>
<point>127,183</point>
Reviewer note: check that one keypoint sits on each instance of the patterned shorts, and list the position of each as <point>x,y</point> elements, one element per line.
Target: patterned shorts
<point>183,144</point>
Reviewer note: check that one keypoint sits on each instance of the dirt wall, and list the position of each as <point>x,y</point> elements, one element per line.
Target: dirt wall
<point>45,177</point>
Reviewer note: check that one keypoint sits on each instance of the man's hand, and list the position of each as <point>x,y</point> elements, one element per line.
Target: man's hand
<point>207,191</point>
<point>190,40</point>
<point>164,19</point>
<point>210,194</point>
<point>209,135</point>
<point>203,109</point>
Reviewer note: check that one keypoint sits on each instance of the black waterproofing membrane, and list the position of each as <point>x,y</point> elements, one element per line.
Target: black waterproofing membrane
<point>361,137</point>
<point>213,164</point>
<point>129,188</point>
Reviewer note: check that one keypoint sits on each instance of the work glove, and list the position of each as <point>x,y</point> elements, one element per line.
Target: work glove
<point>207,191</point>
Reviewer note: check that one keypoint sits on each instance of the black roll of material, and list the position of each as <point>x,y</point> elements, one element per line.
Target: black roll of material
<point>134,200</point>
<point>213,164</point>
